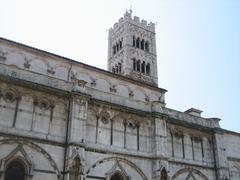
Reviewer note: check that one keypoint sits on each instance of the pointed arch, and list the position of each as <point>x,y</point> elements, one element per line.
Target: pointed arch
<point>37,148</point>
<point>119,159</point>
<point>190,171</point>
<point>17,164</point>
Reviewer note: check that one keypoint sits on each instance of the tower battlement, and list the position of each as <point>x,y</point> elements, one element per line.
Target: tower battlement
<point>135,20</point>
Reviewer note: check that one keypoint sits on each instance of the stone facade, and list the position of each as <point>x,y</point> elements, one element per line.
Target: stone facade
<point>62,119</point>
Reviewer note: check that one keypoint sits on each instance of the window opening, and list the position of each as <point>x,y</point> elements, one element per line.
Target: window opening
<point>120,67</point>
<point>134,41</point>
<point>146,46</point>
<point>117,47</point>
<point>142,44</point>
<point>148,69</point>
<point>120,44</point>
<point>138,65</point>
<point>137,42</point>
<point>116,176</point>
<point>134,64</point>
<point>114,49</point>
<point>15,171</point>
<point>143,67</point>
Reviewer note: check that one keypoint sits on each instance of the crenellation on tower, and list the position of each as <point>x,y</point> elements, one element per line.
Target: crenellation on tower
<point>135,21</point>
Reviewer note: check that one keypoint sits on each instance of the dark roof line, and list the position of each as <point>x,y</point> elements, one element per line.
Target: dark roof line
<point>83,64</point>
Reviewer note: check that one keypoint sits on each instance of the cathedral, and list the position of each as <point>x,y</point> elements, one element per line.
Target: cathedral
<point>61,119</point>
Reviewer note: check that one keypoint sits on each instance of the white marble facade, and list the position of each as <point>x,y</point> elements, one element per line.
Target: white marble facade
<point>62,119</point>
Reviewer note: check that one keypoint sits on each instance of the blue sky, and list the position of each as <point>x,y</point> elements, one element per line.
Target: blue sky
<point>198,43</point>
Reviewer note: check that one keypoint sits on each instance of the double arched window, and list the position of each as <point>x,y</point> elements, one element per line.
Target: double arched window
<point>141,66</point>
<point>117,68</point>
<point>117,46</point>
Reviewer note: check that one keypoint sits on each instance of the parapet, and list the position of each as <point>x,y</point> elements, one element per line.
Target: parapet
<point>135,20</point>
<point>194,112</point>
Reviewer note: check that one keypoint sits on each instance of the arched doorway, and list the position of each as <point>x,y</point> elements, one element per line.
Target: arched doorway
<point>15,171</point>
<point>117,176</point>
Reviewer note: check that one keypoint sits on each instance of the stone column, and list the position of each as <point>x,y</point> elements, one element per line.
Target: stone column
<point>219,153</point>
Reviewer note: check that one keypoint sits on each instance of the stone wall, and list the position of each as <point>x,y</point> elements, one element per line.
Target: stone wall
<point>57,114</point>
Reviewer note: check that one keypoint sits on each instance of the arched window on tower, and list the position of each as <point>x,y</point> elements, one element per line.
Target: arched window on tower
<point>117,176</point>
<point>119,67</point>
<point>138,42</point>
<point>134,64</point>
<point>143,67</point>
<point>75,170</point>
<point>120,44</point>
<point>142,44</point>
<point>117,47</point>
<point>163,174</point>
<point>114,49</point>
<point>134,41</point>
<point>138,65</point>
<point>147,46</point>
<point>148,69</point>
<point>15,171</point>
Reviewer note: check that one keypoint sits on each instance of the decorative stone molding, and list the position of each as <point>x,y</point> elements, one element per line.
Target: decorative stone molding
<point>131,125</point>
<point>27,63</point>
<point>113,89</point>
<point>93,83</point>
<point>105,117</point>
<point>73,76</point>
<point>10,95</point>
<point>3,56</point>
<point>131,94</point>
<point>81,83</point>
<point>50,70</point>
<point>147,99</point>
<point>44,104</point>
<point>120,160</point>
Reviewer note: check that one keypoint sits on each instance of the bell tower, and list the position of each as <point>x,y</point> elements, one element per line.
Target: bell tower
<point>132,49</point>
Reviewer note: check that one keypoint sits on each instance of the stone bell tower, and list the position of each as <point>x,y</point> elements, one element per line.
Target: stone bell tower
<point>132,49</point>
